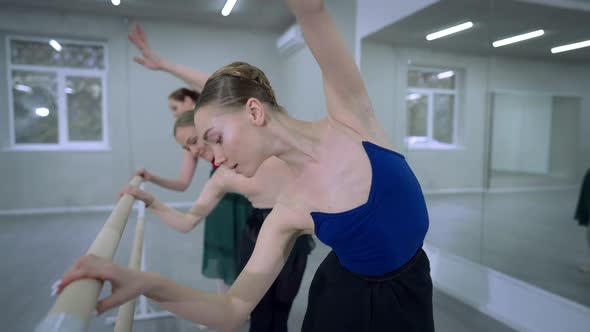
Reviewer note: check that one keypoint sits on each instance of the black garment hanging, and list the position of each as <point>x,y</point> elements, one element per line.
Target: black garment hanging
<point>583,209</point>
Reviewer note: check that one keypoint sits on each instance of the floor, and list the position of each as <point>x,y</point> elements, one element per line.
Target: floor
<point>37,249</point>
<point>531,236</point>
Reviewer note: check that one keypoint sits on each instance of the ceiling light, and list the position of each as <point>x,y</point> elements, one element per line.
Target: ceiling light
<point>42,111</point>
<point>445,74</point>
<point>449,31</point>
<point>229,5</point>
<point>570,47</point>
<point>519,38</point>
<point>56,46</point>
<point>116,2</point>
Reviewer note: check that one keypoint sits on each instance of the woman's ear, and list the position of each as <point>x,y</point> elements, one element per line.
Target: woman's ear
<point>256,111</point>
<point>188,100</point>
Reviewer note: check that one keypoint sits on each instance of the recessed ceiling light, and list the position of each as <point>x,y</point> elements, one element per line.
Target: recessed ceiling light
<point>116,2</point>
<point>519,38</point>
<point>449,31</point>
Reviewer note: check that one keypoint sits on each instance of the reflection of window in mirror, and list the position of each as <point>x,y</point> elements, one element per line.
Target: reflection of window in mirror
<point>431,103</point>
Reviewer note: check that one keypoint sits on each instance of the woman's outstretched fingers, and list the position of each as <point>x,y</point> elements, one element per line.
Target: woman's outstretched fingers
<point>126,285</point>
<point>133,35</point>
<point>140,33</point>
<point>149,59</point>
<point>116,299</point>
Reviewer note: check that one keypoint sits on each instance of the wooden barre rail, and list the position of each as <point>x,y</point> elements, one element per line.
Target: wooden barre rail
<point>126,312</point>
<point>74,307</point>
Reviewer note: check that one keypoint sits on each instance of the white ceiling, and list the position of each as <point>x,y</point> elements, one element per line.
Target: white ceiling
<point>494,19</point>
<point>270,15</point>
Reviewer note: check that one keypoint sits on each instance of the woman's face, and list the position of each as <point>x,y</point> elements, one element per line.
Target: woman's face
<point>234,136</point>
<point>187,138</point>
<point>179,107</point>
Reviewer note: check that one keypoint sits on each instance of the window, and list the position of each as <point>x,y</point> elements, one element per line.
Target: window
<point>431,102</point>
<point>57,97</point>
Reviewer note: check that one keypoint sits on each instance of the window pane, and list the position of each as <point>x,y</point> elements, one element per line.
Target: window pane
<point>436,79</point>
<point>35,106</point>
<point>443,118</point>
<point>84,98</point>
<point>24,52</point>
<point>417,104</point>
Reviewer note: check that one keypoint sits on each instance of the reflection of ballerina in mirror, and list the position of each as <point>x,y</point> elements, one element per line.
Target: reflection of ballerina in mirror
<point>583,212</point>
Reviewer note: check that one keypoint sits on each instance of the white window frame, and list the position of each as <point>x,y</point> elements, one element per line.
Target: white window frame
<point>64,143</point>
<point>428,142</point>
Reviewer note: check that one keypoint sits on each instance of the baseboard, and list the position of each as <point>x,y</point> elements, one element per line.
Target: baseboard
<point>481,190</point>
<point>517,304</point>
<point>181,205</point>
<point>80,209</point>
<point>450,191</point>
<point>528,189</point>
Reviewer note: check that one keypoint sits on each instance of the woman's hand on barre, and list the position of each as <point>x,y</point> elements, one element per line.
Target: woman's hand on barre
<point>139,194</point>
<point>126,284</point>
<point>147,176</point>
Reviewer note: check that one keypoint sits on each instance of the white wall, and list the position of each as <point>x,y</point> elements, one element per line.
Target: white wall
<point>379,72</point>
<point>565,115</point>
<point>304,97</point>
<point>139,124</point>
<point>49,179</point>
<point>384,69</point>
<point>521,133</point>
<point>374,15</point>
<point>553,78</point>
<point>206,49</point>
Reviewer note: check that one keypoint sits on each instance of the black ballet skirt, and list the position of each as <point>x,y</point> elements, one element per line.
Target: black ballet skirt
<point>343,301</point>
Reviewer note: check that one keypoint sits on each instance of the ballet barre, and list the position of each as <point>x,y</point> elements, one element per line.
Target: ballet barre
<point>74,308</point>
<point>128,313</point>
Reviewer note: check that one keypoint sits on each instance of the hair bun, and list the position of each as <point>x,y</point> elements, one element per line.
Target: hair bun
<point>246,71</point>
